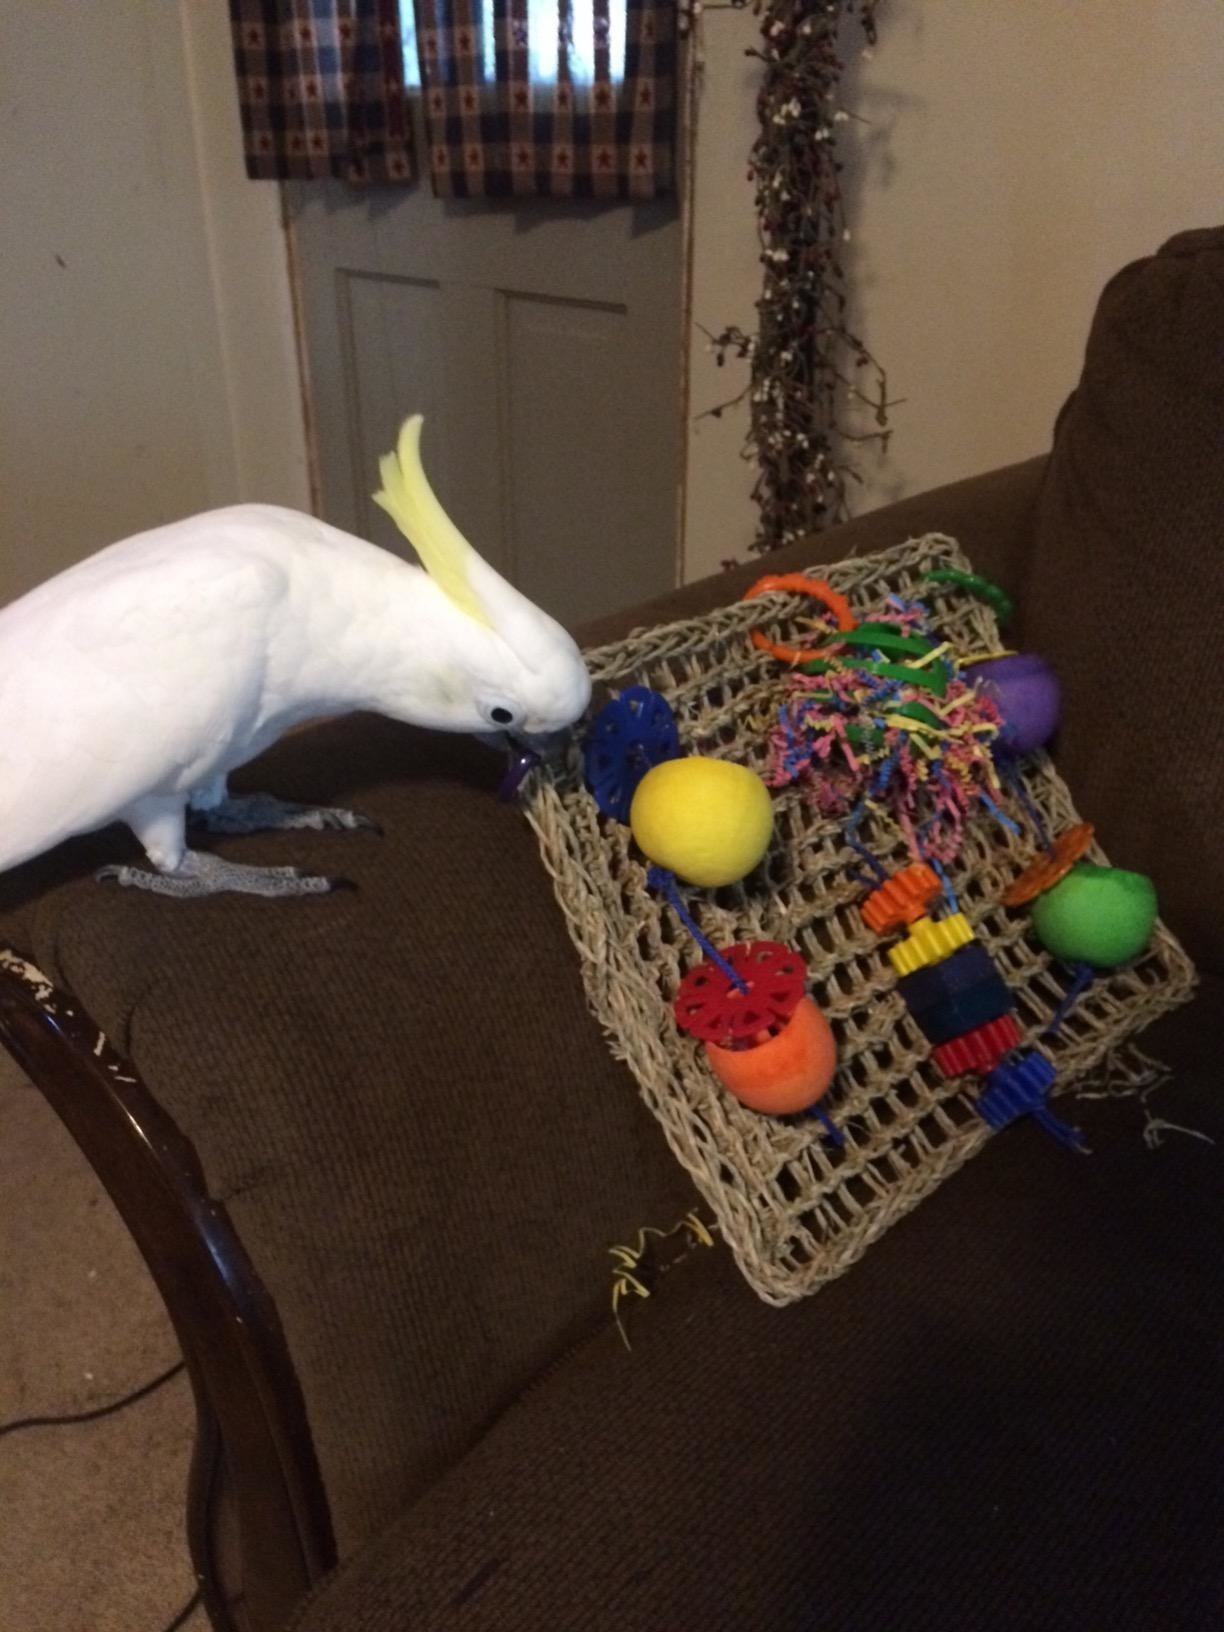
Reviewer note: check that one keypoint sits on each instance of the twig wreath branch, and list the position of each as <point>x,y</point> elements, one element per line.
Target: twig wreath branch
<point>806,365</point>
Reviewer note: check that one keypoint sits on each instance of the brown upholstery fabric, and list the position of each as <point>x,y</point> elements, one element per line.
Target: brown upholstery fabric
<point>1006,1419</point>
<point>1125,584</point>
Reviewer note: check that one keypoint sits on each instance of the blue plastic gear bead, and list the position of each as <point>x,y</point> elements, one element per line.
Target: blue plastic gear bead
<point>1021,1087</point>
<point>629,735</point>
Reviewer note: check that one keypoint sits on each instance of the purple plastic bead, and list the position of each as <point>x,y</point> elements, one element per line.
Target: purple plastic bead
<point>1025,689</point>
<point>517,771</point>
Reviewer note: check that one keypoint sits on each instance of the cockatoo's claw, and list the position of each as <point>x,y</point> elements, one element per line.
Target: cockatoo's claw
<point>200,874</point>
<point>262,813</point>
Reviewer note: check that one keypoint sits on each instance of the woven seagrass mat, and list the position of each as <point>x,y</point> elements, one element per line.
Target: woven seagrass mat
<point>795,1209</point>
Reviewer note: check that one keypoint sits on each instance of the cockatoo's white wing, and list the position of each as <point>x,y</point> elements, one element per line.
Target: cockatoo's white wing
<point>138,672</point>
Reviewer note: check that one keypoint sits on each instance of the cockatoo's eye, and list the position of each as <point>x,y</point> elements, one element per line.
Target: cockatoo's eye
<point>501,715</point>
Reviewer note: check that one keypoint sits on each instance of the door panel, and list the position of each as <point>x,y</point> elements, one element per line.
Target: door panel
<point>565,446</point>
<point>406,346</point>
<point>542,341</point>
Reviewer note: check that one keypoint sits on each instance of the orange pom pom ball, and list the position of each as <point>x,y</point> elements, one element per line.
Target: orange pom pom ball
<point>785,1074</point>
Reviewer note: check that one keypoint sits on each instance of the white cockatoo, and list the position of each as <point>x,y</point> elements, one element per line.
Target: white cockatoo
<point>132,684</point>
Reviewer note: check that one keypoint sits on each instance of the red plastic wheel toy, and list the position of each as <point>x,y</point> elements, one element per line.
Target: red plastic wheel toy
<point>710,1006</point>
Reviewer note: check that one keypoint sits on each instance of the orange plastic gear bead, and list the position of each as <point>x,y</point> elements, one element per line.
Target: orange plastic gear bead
<point>1045,871</point>
<point>978,1050</point>
<point>930,941</point>
<point>901,900</point>
<point>797,583</point>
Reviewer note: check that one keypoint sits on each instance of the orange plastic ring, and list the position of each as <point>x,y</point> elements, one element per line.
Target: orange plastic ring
<point>1044,871</point>
<point>797,583</point>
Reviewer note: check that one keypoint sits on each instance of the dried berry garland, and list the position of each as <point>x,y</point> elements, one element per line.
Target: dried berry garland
<point>807,366</point>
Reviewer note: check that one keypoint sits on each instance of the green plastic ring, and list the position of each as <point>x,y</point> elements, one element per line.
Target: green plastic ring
<point>880,637</point>
<point>934,678</point>
<point>994,597</point>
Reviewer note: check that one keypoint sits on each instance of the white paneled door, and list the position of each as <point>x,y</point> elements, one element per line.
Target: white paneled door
<point>541,340</point>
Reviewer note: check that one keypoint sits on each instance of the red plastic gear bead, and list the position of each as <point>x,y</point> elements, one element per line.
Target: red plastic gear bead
<point>978,1050</point>
<point>710,1006</point>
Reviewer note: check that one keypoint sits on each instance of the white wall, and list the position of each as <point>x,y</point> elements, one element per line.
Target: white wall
<point>145,320</point>
<point>1018,155</point>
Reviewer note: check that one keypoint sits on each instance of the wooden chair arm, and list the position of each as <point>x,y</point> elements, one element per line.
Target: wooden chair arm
<point>254,1459</point>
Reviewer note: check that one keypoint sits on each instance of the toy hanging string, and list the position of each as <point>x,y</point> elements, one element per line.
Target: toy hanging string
<point>1015,785</point>
<point>949,894</point>
<point>658,878</point>
<point>1083,976</point>
<point>1000,816</point>
<point>826,1122</point>
<point>857,845</point>
<point>1067,1136</point>
<point>1035,1094</point>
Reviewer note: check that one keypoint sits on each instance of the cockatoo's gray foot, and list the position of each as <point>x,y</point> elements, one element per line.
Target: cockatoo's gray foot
<point>262,813</point>
<point>200,874</point>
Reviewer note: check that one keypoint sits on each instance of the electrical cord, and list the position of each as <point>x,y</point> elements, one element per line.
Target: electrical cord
<point>19,1424</point>
<point>68,1419</point>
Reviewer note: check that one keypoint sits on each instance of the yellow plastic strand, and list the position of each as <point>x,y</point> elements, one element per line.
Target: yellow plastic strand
<point>982,657</point>
<point>628,1258</point>
<point>929,657</point>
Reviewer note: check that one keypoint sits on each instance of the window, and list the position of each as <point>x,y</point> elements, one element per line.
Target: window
<point>544,34</point>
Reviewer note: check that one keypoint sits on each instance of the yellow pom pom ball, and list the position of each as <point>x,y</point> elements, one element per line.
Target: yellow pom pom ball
<point>705,820</point>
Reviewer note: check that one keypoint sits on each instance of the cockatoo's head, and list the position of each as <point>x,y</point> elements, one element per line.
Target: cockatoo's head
<point>527,677</point>
<point>509,667</point>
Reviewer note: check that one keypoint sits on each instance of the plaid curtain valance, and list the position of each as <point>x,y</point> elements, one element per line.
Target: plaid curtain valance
<point>551,98</point>
<point>321,89</point>
<point>601,125</point>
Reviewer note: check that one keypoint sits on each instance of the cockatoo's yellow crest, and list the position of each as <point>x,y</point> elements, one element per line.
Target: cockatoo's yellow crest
<point>413,506</point>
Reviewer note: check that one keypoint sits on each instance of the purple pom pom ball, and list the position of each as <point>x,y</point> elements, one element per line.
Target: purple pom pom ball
<point>1025,690</point>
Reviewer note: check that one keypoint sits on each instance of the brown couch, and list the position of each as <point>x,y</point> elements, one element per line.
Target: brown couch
<point>376,1176</point>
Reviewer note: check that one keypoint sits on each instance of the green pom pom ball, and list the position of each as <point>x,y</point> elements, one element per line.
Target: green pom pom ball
<point>1102,916</point>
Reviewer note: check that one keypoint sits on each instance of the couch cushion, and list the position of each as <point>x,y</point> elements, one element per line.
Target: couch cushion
<point>397,1092</point>
<point>1007,1418</point>
<point>1126,579</point>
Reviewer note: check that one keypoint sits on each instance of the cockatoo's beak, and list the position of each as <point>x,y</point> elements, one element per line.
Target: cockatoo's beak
<point>544,744</point>
<point>527,750</point>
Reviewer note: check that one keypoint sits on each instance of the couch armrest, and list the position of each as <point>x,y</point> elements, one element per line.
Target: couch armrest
<point>990,515</point>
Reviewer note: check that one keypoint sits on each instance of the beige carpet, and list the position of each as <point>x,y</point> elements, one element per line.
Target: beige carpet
<point>91,1516</point>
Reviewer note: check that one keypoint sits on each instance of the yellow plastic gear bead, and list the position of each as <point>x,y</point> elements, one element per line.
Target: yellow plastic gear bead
<point>930,942</point>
